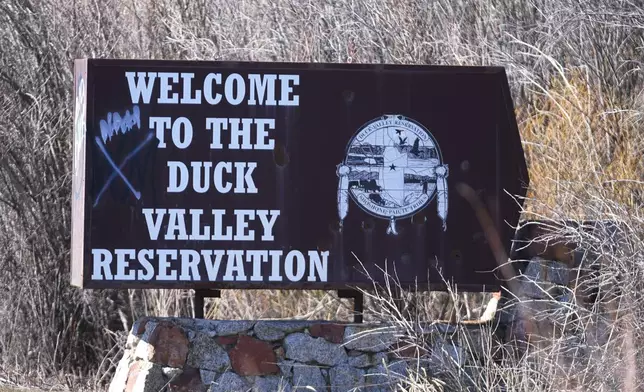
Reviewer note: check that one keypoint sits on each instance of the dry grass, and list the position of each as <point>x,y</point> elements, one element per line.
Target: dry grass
<point>579,139</point>
<point>576,78</point>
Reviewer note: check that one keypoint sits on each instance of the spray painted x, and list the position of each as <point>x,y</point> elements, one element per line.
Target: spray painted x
<point>117,170</point>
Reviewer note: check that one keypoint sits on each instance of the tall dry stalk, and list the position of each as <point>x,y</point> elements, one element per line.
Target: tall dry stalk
<point>575,73</point>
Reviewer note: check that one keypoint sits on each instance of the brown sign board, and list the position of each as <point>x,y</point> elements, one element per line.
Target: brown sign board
<point>289,175</point>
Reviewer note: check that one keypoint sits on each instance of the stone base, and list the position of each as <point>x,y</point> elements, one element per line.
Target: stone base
<point>174,354</point>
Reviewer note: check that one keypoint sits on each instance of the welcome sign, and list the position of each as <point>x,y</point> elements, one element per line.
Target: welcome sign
<point>289,175</point>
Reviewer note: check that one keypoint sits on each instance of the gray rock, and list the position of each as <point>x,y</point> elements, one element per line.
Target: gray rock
<point>286,367</point>
<point>445,356</point>
<point>209,327</point>
<point>368,360</point>
<point>361,361</point>
<point>276,330</point>
<point>308,376</point>
<point>385,378</point>
<point>541,276</point>
<point>272,383</point>
<point>377,377</point>
<point>454,351</point>
<point>186,323</point>
<point>139,326</point>
<point>477,342</point>
<point>229,382</point>
<point>195,327</point>
<point>207,354</point>
<point>370,340</point>
<point>149,378</point>
<point>233,327</point>
<point>436,328</point>
<point>304,348</point>
<point>208,376</point>
<point>379,359</point>
<point>545,315</point>
<point>558,273</point>
<point>343,378</point>
<point>397,369</point>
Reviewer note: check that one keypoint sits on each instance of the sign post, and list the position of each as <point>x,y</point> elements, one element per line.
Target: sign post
<point>214,175</point>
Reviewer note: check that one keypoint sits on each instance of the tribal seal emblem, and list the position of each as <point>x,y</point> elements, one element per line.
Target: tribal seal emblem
<point>393,168</point>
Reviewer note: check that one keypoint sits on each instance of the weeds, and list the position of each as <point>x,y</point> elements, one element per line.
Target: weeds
<point>576,79</point>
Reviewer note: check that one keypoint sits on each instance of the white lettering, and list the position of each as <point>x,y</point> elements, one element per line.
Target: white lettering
<point>189,265</point>
<point>195,234</point>
<point>144,257</point>
<point>218,177</point>
<point>244,182</point>
<point>242,224</point>
<point>294,274</point>
<point>199,185</point>
<point>174,185</point>
<point>275,265</point>
<point>187,87</point>
<point>318,266</point>
<point>123,257</point>
<point>218,234</point>
<point>101,260</point>
<point>235,89</point>
<point>165,87</point>
<point>185,264</point>
<point>160,125</point>
<point>178,125</point>
<point>236,132</point>
<point>268,223</point>
<point>216,125</point>
<point>257,257</point>
<point>288,89</point>
<point>137,87</point>
<point>154,225</point>
<point>212,268</point>
<point>262,86</point>
<point>262,133</point>
<point>256,89</point>
<point>177,223</point>
<point>236,266</point>
<point>207,88</point>
<point>164,264</point>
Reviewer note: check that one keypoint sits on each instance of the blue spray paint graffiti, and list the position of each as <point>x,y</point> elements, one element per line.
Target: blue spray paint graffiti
<point>115,123</point>
<point>117,170</point>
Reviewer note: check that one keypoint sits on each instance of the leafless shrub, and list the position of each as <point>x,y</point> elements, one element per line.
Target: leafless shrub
<point>575,73</point>
<point>586,338</point>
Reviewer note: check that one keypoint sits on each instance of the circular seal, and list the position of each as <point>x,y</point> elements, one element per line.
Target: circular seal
<point>393,168</point>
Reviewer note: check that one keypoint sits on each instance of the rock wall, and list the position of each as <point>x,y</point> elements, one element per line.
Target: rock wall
<point>176,354</point>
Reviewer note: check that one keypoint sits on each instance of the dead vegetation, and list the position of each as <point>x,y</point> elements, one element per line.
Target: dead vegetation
<point>576,78</point>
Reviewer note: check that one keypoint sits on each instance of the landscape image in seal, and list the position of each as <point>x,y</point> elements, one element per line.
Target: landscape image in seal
<point>392,170</point>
